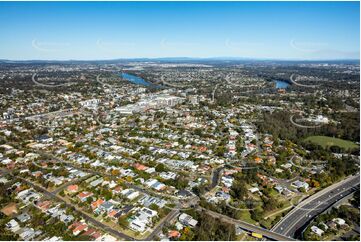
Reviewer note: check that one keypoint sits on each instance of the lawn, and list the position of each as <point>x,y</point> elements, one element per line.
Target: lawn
<point>325,141</point>
<point>246,216</point>
<point>274,193</point>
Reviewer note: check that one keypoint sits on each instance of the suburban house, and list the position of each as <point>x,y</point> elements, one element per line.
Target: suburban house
<point>187,220</point>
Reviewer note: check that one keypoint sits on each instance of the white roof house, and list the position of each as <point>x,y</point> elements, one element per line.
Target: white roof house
<point>317,230</point>
<point>253,189</point>
<point>187,220</point>
<point>138,225</point>
<point>154,183</point>
<point>142,219</point>
<point>13,225</point>
<point>299,184</point>
<point>130,193</point>
<point>339,221</point>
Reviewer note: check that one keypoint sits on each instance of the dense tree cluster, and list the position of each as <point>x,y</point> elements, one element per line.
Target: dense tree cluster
<point>211,228</point>
<point>279,125</point>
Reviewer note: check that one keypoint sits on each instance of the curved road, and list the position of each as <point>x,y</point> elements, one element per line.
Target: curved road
<point>303,126</point>
<point>304,212</point>
<point>48,85</point>
<point>301,85</point>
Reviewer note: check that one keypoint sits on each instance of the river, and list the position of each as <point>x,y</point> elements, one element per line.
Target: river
<point>138,80</point>
<point>281,84</point>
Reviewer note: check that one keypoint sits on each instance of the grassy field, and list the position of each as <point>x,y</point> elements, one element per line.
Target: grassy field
<point>246,216</point>
<point>325,141</point>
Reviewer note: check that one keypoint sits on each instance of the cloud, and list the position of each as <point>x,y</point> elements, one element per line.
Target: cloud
<point>49,46</point>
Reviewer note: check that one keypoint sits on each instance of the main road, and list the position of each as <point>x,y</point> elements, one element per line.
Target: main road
<point>309,208</point>
<point>171,215</point>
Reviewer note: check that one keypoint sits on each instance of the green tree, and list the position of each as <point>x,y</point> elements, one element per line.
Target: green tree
<point>123,221</point>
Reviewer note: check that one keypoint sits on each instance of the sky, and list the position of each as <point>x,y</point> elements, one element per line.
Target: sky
<point>111,30</point>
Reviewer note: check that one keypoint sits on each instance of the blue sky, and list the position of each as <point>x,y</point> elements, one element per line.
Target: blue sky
<point>108,30</point>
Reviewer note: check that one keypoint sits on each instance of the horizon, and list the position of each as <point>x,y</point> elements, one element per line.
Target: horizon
<point>91,31</point>
<point>184,58</point>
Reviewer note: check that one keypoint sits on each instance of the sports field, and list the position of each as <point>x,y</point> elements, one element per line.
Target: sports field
<point>325,141</point>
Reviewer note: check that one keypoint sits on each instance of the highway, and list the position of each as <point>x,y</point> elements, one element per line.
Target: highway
<point>248,227</point>
<point>309,208</point>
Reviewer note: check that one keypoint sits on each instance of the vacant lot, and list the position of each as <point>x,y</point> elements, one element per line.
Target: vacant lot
<point>325,141</point>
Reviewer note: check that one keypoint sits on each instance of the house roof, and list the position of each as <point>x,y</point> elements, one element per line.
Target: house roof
<point>140,167</point>
<point>23,217</point>
<point>107,205</point>
<point>90,231</point>
<point>173,234</point>
<point>97,203</point>
<point>117,189</point>
<point>112,213</point>
<point>85,194</point>
<point>257,159</point>
<point>78,226</point>
<point>73,188</point>
<point>96,235</point>
<point>44,205</point>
